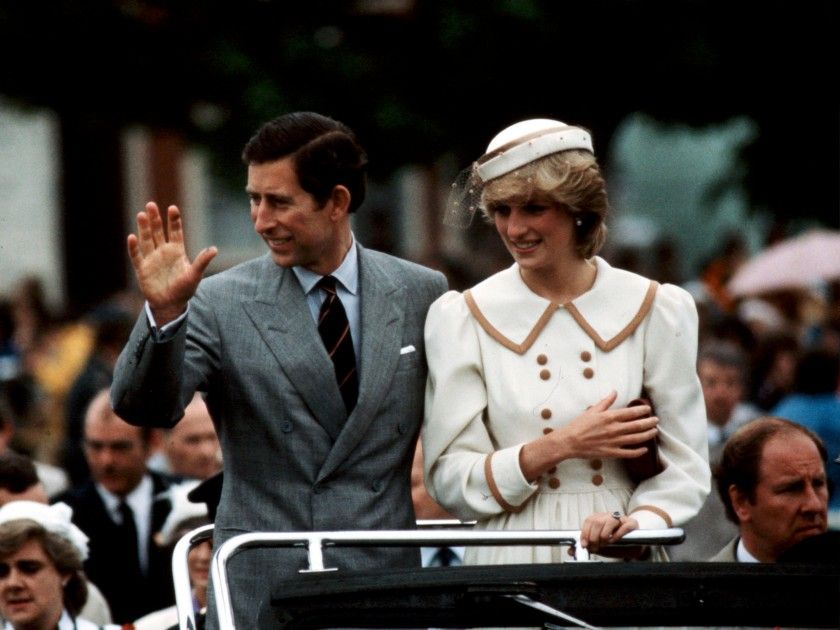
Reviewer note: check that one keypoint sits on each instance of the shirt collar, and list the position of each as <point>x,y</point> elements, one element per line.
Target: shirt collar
<point>347,273</point>
<point>133,498</point>
<point>742,554</point>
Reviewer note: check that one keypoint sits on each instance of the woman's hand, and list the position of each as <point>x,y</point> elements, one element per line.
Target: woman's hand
<point>599,432</point>
<point>165,275</point>
<point>603,528</point>
<point>603,432</point>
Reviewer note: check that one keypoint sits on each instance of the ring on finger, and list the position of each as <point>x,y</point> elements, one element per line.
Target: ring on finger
<point>616,515</point>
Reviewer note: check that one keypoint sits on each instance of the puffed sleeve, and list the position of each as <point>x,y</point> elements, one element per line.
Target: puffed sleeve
<point>464,471</point>
<point>675,495</point>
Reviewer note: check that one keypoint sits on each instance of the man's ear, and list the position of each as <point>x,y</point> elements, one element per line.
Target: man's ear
<point>340,199</point>
<point>740,503</point>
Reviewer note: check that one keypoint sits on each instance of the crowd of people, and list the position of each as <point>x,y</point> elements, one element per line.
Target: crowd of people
<point>560,393</point>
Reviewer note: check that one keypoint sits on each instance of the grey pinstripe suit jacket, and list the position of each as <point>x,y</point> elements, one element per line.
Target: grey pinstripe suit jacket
<point>291,462</point>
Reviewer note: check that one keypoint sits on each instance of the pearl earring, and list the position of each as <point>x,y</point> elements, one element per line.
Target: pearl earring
<point>578,222</point>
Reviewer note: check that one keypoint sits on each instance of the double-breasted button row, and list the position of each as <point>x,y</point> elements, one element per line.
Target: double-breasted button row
<point>586,357</point>
<point>545,374</point>
<point>554,482</point>
<point>596,464</point>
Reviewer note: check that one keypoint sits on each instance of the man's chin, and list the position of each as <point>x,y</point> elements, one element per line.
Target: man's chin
<point>808,532</point>
<point>283,260</point>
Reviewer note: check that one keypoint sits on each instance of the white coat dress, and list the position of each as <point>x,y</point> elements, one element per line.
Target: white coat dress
<point>507,366</point>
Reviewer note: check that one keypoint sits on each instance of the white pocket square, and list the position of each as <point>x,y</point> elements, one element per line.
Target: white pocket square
<point>407,350</point>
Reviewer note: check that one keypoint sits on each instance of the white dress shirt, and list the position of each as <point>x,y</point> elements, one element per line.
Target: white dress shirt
<point>140,501</point>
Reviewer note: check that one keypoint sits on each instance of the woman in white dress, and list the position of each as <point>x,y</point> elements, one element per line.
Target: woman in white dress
<point>531,371</point>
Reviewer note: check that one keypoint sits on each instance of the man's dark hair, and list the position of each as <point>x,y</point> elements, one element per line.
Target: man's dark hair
<point>17,472</point>
<point>324,152</point>
<point>724,353</point>
<point>742,452</point>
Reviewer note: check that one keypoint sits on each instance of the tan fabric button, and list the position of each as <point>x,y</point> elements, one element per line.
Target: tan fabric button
<point>547,430</point>
<point>596,464</point>
<point>546,414</point>
<point>597,480</point>
<point>585,356</point>
<point>589,372</point>
<point>554,483</point>
<point>542,359</point>
<point>545,375</point>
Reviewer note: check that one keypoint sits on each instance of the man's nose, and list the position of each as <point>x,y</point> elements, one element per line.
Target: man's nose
<point>814,499</point>
<point>263,218</point>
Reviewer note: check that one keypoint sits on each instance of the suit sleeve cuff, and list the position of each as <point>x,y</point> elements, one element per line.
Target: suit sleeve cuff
<point>168,330</point>
<point>505,479</point>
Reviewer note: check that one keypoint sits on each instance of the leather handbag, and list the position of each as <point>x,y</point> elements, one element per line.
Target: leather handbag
<point>649,464</point>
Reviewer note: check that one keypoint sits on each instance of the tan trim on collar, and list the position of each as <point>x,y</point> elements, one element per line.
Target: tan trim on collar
<point>659,512</point>
<point>606,346</point>
<point>522,348</point>
<point>494,489</point>
<point>518,348</point>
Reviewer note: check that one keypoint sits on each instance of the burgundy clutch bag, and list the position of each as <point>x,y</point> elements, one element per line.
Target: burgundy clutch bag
<point>647,465</point>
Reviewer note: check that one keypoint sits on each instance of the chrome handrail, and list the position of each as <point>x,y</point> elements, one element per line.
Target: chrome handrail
<point>316,541</point>
<point>181,574</point>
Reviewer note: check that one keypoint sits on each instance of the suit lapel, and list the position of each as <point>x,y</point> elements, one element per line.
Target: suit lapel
<point>382,317</point>
<point>281,316</point>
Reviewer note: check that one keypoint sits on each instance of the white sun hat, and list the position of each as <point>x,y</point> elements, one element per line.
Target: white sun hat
<point>54,518</point>
<point>183,510</point>
<point>527,141</point>
<point>512,148</point>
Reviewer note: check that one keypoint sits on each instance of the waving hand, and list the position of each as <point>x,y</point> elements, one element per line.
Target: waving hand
<point>165,275</point>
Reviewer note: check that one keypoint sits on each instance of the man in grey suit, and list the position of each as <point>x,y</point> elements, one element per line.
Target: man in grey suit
<point>772,481</point>
<point>299,452</point>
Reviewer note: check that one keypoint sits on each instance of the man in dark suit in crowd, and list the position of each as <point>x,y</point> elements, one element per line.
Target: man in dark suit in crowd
<point>120,511</point>
<point>315,435</point>
<point>772,481</point>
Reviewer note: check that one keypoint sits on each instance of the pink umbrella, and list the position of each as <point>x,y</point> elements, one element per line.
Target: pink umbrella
<point>800,261</point>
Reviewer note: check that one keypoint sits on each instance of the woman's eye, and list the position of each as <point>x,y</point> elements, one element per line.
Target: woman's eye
<point>535,208</point>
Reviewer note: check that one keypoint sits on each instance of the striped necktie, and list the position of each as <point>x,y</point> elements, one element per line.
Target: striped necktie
<point>335,333</point>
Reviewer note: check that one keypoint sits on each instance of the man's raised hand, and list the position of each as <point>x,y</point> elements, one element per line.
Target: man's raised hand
<point>165,275</point>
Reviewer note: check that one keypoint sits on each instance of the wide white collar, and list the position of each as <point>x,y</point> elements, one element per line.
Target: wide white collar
<point>608,313</point>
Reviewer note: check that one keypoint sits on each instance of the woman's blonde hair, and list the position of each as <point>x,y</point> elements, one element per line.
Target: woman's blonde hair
<point>571,180</point>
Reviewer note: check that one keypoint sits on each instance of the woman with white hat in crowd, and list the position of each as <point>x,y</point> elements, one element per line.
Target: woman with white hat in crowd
<point>532,370</point>
<point>42,586</point>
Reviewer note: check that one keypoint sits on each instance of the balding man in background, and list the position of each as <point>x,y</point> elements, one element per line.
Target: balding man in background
<point>120,512</point>
<point>772,481</point>
<point>191,448</point>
